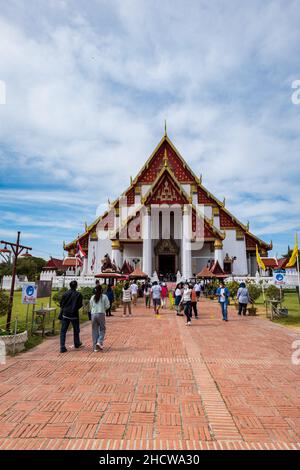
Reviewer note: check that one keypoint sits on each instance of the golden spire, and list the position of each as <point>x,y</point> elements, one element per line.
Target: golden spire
<point>165,128</point>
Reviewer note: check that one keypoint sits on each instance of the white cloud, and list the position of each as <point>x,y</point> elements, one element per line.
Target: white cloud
<point>88,90</point>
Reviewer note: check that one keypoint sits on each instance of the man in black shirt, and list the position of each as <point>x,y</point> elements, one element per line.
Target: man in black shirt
<point>70,304</point>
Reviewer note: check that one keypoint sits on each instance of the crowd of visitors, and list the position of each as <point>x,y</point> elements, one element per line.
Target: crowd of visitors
<point>184,298</point>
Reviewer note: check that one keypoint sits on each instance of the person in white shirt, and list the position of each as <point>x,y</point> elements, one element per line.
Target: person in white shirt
<point>197,289</point>
<point>126,299</point>
<point>187,302</point>
<point>134,292</point>
<point>99,304</point>
<point>156,296</point>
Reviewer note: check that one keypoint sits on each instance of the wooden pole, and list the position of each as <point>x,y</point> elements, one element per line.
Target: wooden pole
<point>12,287</point>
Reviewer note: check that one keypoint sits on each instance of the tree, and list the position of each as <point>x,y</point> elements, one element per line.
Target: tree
<point>29,266</point>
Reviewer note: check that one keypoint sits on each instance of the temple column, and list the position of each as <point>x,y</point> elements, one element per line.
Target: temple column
<point>116,253</point>
<point>147,242</point>
<point>186,252</point>
<point>218,245</point>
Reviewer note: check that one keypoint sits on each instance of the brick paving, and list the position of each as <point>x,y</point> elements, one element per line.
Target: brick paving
<point>157,385</point>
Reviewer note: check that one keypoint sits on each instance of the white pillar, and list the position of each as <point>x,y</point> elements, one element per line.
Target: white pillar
<point>116,253</point>
<point>147,242</point>
<point>186,253</point>
<point>219,252</point>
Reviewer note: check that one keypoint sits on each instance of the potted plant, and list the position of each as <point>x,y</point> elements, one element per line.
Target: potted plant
<point>14,340</point>
<point>254,293</point>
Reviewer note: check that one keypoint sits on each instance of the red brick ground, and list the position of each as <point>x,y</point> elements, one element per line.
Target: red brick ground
<point>157,385</point>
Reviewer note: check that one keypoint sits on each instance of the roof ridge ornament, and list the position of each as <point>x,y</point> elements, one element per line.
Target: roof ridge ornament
<point>166,128</point>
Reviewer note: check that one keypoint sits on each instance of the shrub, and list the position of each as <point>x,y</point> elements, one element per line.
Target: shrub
<point>254,292</point>
<point>4,301</point>
<point>233,287</point>
<point>87,293</point>
<point>57,296</point>
<point>273,293</point>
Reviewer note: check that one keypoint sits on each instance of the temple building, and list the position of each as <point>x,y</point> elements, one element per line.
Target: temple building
<point>167,222</point>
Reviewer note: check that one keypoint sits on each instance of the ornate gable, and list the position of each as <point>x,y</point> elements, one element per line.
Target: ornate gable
<point>226,221</point>
<point>201,228</point>
<point>166,192</point>
<point>154,166</point>
<point>204,198</point>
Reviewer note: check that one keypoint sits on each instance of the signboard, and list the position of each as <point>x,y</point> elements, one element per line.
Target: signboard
<point>29,294</point>
<point>44,289</point>
<point>279,277</point>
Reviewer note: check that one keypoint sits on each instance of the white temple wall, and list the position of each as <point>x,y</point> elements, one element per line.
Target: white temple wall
<point>133,250</point>
<point>200,257</point>
<point>237,248</point>
<point>145,188</point>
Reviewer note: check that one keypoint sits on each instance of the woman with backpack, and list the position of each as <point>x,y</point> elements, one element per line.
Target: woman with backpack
<point>99,304</point>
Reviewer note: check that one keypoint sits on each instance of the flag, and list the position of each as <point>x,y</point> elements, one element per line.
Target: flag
<point>259,260</point>
<point>79,251</point>
<point>93,260</point>
<point>293,258</point>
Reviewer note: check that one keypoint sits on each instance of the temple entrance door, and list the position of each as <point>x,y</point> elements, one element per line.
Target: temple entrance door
<point>166,264</point>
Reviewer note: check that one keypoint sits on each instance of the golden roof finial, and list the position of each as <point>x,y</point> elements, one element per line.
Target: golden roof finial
<point>165,128</point>
<point>224,201</point>
<point>108,202</point>
<point>248,225</point>
<point>200,178</point>
<point>85,226</point>
<point>131,179</point>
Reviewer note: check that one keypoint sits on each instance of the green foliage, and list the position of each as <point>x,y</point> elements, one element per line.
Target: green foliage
<point>254,292</point>
<point>118,291</point>
<point>273,293</point>
<point>4,301</point>
<point>233,287</point>
<point>57,296</point>
<point>87,293</point>
<point>26,266</point>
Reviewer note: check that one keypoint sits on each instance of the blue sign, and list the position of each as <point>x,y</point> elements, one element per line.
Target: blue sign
<point>29,294</point>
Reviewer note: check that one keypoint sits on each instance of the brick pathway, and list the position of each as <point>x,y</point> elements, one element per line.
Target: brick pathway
<point>157,385</point>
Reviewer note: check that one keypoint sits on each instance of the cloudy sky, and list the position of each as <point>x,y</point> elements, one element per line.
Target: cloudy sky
<point>89,84</point>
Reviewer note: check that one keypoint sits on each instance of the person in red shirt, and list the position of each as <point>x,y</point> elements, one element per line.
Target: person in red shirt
<point>164,295</point>
<point>194,302</point>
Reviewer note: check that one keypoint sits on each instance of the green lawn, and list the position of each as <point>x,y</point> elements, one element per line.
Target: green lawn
<point>20,311</point>
<point>291,302</point>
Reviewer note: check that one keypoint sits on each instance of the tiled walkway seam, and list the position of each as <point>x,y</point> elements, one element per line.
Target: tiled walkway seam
<point>220,421</point>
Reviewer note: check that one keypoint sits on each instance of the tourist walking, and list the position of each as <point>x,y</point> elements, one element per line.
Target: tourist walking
<point>156,296</point>
<point>178,297</point>
<point>99,305</point>
<point>187,303</point>
<point>164,295</point>
<point>147,292</point>
<point>70,305</point>
<point>243,298</point>
<point>111,297</point>
<point>126,299</point>
<point>223,296</point>
<point>197,289</point>
<point>134,292</point>
<point>194,300</point>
